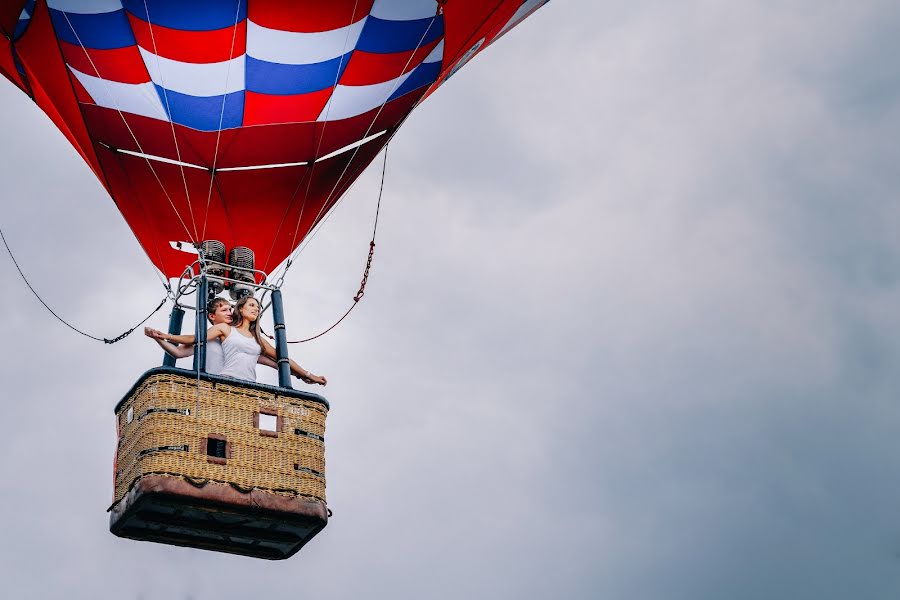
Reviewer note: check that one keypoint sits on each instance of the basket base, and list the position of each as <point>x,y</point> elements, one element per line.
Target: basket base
<point>169,510</point>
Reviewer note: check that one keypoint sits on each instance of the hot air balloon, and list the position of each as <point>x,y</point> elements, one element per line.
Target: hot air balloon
<point>225,131</point>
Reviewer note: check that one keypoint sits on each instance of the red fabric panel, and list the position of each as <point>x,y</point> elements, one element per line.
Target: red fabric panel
<point>13,76</point>
<point>265,109</point>
<point>42,100</point>
<point>132,209</point>
<point>337,134</point>
<point>299,142</point>
<point>266,206</point>
<point>119,130</point>
<point>50,84</point>
<point>467,21</point>
<point>259,209</point>
<point>9,16</point>
<point>255,145</point>
<point>334,176</point>
<point>257,204</point>
<point>367,68</point>
<point>493,36</point>
<point>159,214</point>
<point>8,67</point>
<point>330,180</point>
<point>191,46</point>
<point>270,144</point>
<point>307,15</point>
<point>269,210</point>
<point>123,65</point>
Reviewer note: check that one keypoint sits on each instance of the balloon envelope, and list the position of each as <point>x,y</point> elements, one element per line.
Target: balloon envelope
<point>241,121</point>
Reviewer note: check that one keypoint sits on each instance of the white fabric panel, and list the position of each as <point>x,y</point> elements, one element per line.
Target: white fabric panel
<point>135,98</point>
<point>404,10</point>
<point>436,54</point>
<point>85,7</point>
<point>292,48</point>
<point>195,79</point>
<point>350,100</point>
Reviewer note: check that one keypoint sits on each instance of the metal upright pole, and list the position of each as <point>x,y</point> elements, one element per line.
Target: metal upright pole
<point>200,329</point>
<point>175,321</point>
<point>281,351</point>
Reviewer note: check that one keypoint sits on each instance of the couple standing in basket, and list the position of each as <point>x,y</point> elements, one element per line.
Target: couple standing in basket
<point>235,345</point>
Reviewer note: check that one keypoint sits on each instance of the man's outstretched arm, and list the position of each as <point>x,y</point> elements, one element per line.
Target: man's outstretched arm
<point>171,349</point>
<point>169,337</point>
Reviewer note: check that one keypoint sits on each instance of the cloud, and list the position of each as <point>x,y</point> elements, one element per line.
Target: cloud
<point>629,333</point>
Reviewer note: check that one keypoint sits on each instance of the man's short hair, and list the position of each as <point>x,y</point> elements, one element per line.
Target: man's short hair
<point>213,305</point>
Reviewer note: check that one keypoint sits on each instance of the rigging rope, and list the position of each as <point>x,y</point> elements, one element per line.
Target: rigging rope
<point>133,136</point>
<point>312,164</point>
<point>118,338</point>
<point>162,81</point>
<point>212,172</point>
<point>365,278</point>
<point>340,178</point>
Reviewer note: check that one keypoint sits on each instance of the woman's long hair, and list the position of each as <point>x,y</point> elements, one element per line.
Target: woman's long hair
<point>237,318</point>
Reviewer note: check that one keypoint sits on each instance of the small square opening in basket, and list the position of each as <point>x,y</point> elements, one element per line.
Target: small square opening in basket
<point>268,422</point>
<point>216,448</point>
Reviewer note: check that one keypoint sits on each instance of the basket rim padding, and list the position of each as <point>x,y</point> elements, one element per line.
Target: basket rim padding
<point>252,385</point>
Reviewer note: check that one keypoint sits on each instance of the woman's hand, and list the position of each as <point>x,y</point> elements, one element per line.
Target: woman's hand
<point>154,333</point>
<point>310,378</point>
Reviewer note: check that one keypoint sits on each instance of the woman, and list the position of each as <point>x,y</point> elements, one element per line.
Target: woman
<point>242,344</point>
<point>217,311</point>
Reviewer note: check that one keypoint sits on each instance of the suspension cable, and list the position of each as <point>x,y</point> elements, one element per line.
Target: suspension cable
<point>137,142</point>
<point>340,178</point>
<point>312,166</point>
<point>365,278</point>
<point>165,91</point>
<point>212,172</point>
<point>118,338</point>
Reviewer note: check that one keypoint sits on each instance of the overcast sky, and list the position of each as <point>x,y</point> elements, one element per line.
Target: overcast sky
<point>632,331</point>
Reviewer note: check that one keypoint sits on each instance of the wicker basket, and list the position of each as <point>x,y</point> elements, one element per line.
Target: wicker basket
<point>201,448</point>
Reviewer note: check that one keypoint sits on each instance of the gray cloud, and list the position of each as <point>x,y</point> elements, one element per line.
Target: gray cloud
<point>630,332</point>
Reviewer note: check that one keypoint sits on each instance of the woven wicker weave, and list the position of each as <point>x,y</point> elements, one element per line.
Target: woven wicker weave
<point>167,419</point>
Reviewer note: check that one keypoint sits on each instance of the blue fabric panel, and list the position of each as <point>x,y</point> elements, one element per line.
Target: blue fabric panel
<point>20,28</point>
<point>102,31</point>
<point>22,25</point>
<point>203,112</point>
<point>274,78</point>
<point>424,74</point>
<point>19,66</point>
<point>189,15</point>
<point>385,37</point>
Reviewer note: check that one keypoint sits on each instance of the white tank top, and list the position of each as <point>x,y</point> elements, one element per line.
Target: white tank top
<point>215,359</point>
<point>240,355</point>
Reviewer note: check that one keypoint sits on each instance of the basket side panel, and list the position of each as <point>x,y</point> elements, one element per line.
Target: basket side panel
<point>165,424</point>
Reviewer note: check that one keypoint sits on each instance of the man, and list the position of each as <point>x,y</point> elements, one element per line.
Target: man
<point>218,311</point>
